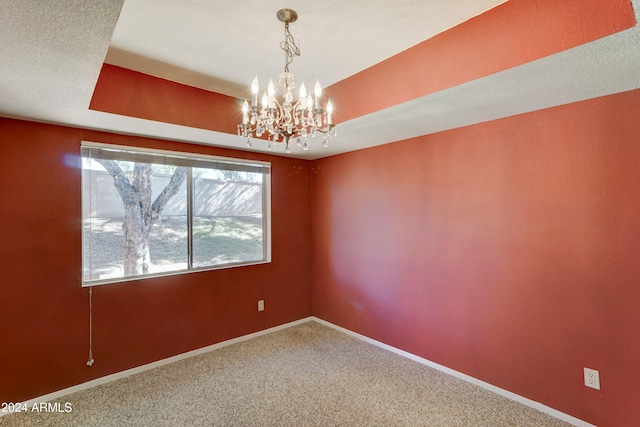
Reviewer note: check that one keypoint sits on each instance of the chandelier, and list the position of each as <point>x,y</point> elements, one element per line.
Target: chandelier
<point>278,115</point>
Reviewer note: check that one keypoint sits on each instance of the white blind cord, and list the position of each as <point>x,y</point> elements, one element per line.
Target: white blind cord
<point>90,361</point>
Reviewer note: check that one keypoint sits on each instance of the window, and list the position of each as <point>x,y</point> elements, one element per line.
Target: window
<point>150,213</point>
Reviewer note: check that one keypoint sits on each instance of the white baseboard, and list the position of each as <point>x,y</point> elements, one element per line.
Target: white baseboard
<point>502,392</point>
<point>106,379</point>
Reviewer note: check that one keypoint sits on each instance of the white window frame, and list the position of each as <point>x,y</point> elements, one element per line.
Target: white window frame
<point>192,160</point>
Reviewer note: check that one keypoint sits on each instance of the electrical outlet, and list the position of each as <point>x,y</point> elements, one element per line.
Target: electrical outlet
<point>592,378</point>
<point>261,305</point>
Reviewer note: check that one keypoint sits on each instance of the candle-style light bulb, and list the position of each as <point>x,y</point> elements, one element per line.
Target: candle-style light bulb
<point>271,91</point>
<point>318,92</point>
<point>271,88</point>
<point>303,97</point>
<point>255,87</point>
<point>245,112</point>
<point>329,112</point>
<point>265,100</point>
<point>318,89</point>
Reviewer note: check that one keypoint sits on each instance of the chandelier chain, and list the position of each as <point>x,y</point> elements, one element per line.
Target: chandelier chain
<point>289,46</point>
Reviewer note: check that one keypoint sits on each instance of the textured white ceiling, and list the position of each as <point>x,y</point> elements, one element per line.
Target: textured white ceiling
<point>51,54</point>
<point>233,41</point>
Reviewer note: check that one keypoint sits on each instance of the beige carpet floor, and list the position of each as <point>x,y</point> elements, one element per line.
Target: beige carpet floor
<point>306,375</point>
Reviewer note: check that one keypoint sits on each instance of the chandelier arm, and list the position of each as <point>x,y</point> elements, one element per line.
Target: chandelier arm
<point>326,129</point>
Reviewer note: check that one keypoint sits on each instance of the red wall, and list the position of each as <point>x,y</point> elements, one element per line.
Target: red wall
<point>130,93</point>
<point>512,34</point>
<point>44,311</point>
<point>507,250</point>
